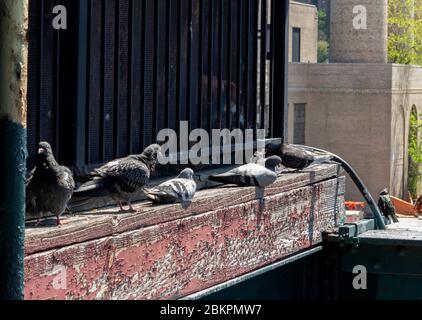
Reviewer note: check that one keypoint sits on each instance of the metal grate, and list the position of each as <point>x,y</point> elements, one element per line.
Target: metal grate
<point>124,69</point>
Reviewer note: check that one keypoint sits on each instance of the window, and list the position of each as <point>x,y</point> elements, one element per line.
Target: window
<point>296,45</point>
<point>299,123</point>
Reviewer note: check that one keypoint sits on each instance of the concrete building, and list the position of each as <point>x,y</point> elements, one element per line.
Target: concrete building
<point>357,106</point>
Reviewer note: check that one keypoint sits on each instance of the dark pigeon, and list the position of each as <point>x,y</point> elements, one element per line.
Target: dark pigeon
<point>49,186</point>
<point>251,174</point>
<point>294,157</point>
<point>386,206</point>
<point>121,178</point>
<point>181,189</point>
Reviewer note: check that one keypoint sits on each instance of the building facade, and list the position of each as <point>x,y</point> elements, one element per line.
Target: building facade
<point>358,105</point>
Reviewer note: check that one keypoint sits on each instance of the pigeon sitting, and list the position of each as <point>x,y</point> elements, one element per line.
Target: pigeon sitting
<point>121,178</point>
<point>251,174</point>
<point>294,157</point>
<point>49,186</point>
<point>386,206</point>
<point>181,189</point>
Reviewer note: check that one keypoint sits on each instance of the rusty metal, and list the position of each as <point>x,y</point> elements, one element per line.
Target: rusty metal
<point>13,81</point>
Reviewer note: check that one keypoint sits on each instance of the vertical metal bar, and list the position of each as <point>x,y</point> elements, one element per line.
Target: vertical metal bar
<point>57,93</point>
<point>13,86</point>
<point>263,63</point>
<point>271,98</point>
<point>179,65</point>
<point>156,74</point>
<point>82,85</point>
<point>129,78</point>
<point>239,62</point>
<point>200,64</point>
<point>280,68</point>
<point>189,64</point>
<point>142,87</point>
<point>210,61</point>
<point>229,65</point>
<point>247,68</point>
<point>116,106</point>
<point>167,84</point>
<point>220,63</point>
<point>102,113</point>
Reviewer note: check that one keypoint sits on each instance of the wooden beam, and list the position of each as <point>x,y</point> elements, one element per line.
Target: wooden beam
<point>104,222</point>
<point>181,254</point>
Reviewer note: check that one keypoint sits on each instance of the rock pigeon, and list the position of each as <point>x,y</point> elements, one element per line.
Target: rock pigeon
<point>294,157</point>
<point>251,174</point>
<point>386,206</point>
<point>181,189</point>
<point>121,178</point>
<point>49,186</point>
<point>418,205</point>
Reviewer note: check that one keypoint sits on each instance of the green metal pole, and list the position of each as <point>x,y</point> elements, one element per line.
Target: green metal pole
<point>13,83</point>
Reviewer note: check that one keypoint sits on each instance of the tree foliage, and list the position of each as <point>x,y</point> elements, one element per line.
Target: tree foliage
<point>415,155</point>
<point>323,25</point>
<point>322,51</point>
<point>405,31</point>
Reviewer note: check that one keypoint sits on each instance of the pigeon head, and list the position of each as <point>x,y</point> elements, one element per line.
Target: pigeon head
<point>272,162</point>
<point>150,155</point>
<point>384,192</point>
<point>186,174</point>
<point>44,149</point>
<point>152,151</point>
<point>272,149</point>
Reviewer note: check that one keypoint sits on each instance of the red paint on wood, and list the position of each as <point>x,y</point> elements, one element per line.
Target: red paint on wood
<point>184,256</point>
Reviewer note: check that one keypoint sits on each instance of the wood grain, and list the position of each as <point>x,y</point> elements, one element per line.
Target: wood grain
<point>188,253</point>
<point>96,224</point>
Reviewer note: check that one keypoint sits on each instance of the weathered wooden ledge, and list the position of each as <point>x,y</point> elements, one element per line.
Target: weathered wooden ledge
<point>165,252</point>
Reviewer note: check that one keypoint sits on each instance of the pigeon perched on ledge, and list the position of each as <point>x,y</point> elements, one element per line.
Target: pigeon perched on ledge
<point>49,186</point>
<point>121,178</point>
<point>251,174</point>
<point>181,189</point>
<point>386,206</point>
<point>294,157</point>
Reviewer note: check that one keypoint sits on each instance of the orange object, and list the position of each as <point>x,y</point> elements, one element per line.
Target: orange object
<point>353,205</point>
<point>403,207</point>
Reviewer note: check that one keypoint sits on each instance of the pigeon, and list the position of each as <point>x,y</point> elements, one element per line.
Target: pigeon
<point>418,205</point>
<point>49,186</point>
<point>386,206</point>
<point>293,157</point>
<point>181,189</point>
<point>251,174</point>
<point>121,178</point>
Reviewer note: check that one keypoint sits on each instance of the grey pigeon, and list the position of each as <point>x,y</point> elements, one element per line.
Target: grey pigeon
<point>181,189</point>
<point>294,157</point>
<point>386,206</point>
<point>121,178</point>
<point>49,186</point>
<point>251,174</point>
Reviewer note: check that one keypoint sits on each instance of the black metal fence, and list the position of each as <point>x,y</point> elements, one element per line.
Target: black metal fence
<point>124,69</point>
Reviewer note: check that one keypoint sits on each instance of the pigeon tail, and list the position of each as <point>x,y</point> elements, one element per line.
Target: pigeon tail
<point>93,188</point>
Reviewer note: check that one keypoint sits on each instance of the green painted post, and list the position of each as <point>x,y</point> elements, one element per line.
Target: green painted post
<point>13,83</point>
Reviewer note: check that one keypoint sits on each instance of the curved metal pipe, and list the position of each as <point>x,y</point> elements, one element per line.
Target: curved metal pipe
<point>380,224</point>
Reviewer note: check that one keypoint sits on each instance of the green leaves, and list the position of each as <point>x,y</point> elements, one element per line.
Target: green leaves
<point>405,31</point>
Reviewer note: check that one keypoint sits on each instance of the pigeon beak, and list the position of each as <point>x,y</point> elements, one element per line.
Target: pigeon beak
<point>40,150</point>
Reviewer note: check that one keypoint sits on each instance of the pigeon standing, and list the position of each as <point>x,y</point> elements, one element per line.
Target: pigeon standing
<point>386,206</point>
<point>294,157</point>
<point>49,186</point>
<point>251,174</point>
<point>181,189</point>
<point>121,178</point>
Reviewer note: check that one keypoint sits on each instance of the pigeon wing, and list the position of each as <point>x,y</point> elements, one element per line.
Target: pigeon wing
<point>124,176</point>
